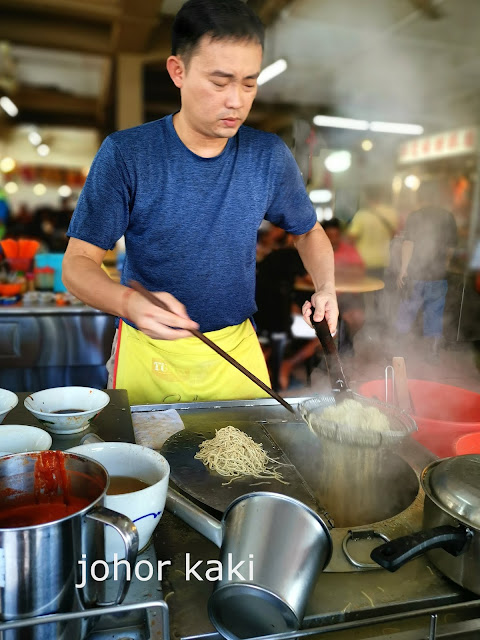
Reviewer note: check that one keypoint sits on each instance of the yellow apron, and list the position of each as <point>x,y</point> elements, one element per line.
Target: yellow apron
<point>187,370</point>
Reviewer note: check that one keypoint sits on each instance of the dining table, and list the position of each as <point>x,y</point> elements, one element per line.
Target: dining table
<point>345,282</point>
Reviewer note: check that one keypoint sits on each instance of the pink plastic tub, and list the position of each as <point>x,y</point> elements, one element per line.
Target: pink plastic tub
<point>442,412</point>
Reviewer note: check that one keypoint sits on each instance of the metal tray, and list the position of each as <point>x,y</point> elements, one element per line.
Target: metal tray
<point>210,488</point>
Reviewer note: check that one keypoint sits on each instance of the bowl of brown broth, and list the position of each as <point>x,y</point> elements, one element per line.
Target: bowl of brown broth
<point>138,483</point>
<point>65,410</point>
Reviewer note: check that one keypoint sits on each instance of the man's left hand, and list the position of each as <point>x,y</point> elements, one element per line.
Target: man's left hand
<point>325,303</point>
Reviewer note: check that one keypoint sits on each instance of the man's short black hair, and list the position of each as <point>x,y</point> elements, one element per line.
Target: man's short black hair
<point>333,223</point>
<point>220,19</point>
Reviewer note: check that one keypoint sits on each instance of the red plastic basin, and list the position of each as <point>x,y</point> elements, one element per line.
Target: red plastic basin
<point>468,444</point>
<point>442,412</point>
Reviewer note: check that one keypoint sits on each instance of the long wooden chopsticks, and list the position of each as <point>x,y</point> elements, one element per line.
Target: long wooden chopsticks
<point>198,334</point>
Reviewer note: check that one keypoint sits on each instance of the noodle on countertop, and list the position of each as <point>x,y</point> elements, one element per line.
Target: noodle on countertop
<point>233,454</point>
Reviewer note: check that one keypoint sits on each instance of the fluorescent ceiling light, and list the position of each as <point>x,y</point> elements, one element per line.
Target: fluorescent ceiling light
<point>64,191</point>
<point>274,69</point>
<point>39,189</point>
<point>340,123</point>
<point>11,187</point>
<point>412,182</point>
<point>7,164</point>
<point>338,161</point>
<point>8,106</point>
<point>34,138</point>
<point>43,150</point>
<point>396,127</point>
<point>320,196</point>
<point>364,125</point>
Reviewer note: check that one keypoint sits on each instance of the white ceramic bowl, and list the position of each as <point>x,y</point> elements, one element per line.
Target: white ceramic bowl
<point>8,400</point>
<point>19,438</point>
<point>143,507</point>
<point>82,404</point>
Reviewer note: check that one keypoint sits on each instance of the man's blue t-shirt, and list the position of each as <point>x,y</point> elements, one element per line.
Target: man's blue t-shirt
<point>190,223</point>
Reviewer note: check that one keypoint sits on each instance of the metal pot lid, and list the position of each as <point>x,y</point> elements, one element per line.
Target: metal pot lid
<point>455,484</point>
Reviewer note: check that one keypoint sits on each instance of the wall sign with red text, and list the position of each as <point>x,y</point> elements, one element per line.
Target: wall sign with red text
<point>440,145</point>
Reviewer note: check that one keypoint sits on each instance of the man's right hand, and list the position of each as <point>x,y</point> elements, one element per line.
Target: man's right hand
<point>84,277</point>
<point>155,322</point>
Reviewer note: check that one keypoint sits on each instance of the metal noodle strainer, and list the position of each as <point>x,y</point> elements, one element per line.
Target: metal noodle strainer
<point>400,424</point>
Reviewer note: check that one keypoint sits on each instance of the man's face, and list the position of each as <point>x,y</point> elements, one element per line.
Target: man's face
<point>219,85</point>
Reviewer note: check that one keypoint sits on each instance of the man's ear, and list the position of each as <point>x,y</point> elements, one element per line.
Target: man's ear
<point>176,70</point>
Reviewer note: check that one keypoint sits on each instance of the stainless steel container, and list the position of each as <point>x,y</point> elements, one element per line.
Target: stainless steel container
<point>282,545</point>
<point>451,518</point>
<point>39,565</point>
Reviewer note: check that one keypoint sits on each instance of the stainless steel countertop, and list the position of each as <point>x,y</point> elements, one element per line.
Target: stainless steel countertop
<point>342,593</point>
<point>113,424</point>
<point>339,596</point>
<point>46,309</point>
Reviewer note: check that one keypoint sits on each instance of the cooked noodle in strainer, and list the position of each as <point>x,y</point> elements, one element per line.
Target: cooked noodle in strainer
<point>356,420</point>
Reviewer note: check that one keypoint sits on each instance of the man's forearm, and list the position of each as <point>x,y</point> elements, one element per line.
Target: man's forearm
<point>316,252</point>
<point>87,281</point>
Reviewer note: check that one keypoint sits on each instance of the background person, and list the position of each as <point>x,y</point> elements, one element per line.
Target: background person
<point>428,242</point>
<point>372,228</point>
<point>347,262</point>
<point>276,275</point>
<point>189,193</point>
<point>352,308</point>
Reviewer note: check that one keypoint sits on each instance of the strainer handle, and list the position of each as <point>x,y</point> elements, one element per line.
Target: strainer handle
<point>332,359</point>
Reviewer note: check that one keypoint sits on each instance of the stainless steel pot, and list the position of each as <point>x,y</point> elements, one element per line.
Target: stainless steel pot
<point>451,518</point>
<point>39,564</point>
<point>285,544</point>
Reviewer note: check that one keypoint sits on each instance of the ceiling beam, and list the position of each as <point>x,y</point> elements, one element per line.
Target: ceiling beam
<point>39,30</point>
<point>161,41</point>
<point>104,11</point>
<point>269,10</point>
<point>133,28</point>
<point>49,100</point>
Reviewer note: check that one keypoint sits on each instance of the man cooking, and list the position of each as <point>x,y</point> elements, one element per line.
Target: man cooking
<point>189,192</point>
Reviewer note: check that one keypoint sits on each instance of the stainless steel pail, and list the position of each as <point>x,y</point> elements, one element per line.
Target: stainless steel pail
<point>282,546</point>
<point>39,564</point>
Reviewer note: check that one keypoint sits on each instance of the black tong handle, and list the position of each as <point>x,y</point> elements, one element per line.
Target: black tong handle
<point>332,359</point>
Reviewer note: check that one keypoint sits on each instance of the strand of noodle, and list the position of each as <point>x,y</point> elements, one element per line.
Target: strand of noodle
<point>231,453</point>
